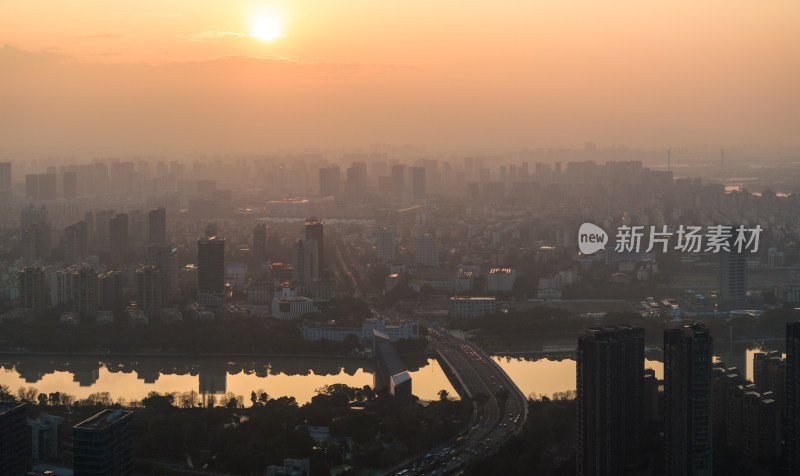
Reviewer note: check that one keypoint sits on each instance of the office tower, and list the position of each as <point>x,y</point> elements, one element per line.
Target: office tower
<point>314,231</point>
<point>259,244</point>
<point>792,431</point>
<point>76,242</point>
<point>769,375</point>
<point>386,246</point>
<point>157,225</point>
<point>329,181</point>
<point>165,258</point>
<point>688,353</point>
<point>84,286</point>
<point>102,220</point>
<point>305,260</point>
<point>416,183</point>
<point>109,287</point>
<point>5,176</point>
<point>32,289</point>
<point>733,277</point>
<point>45,437</point>
<point>118,238</point>
<point>31,215</point>
<point>210,271</point>
<point>36,242</point>
<point>356,182</point>
<point>398,180</point>
<point>32,187</point>
<point>69,181</point>
<point>610,373</point>
<point>14,439</point>
<point>148,290</point>
<point>427,252</point>
<point>137,226</point>
<point>88,217</point>
<point>48,186</point>
<point>103,444</point>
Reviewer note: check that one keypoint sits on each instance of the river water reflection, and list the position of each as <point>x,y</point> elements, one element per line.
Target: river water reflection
<point>131,379</point>
<point>546,375</point>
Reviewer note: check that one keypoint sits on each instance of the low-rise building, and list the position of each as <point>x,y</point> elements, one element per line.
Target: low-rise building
<point>292,307</point>
<point>394,330</point>
<point>501,279</point>
<point>471,307</point>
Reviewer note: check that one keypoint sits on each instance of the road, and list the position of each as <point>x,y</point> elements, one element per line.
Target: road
<point>492,422</point>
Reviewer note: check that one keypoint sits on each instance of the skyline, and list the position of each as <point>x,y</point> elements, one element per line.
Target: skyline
<point>84,78</point>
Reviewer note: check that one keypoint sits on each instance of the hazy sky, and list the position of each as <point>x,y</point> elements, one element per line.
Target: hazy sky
<point>120,77</point>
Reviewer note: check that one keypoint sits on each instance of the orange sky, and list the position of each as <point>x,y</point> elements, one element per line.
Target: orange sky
<point>121,77</point>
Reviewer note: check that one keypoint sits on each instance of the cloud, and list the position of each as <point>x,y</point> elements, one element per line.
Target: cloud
<point>12,54</point>
<point>208,35</point>
<point>101,35</point>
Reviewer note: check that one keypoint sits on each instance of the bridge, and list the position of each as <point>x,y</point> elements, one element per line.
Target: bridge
<point>500,409</point>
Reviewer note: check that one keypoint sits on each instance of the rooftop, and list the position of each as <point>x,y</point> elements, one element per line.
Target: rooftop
<point>8,406</point>
<point>103,419</point>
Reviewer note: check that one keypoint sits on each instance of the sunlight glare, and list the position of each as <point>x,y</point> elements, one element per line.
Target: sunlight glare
<point>266,29</point>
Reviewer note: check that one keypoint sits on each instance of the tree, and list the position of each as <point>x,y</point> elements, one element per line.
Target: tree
<point>55,398</point>
<point>156,401</point>
<point>5,393</point>
<point>42,399</point>
<point>443,395</point>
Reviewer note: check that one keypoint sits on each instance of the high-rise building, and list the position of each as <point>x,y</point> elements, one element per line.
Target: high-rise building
<point>329,181</point>
<point>305,260</point>
<point>259,245</point>
<point>148,290</point>
<point>610,375</point>
<point>102,220</point>
<point>314,231</point>
<point>792,429</point>
<point>733,277</point>
<point>118,238</point>
<point>6,192</point>
<point>137,227</point>
<point>36,242</point>
<point>356,182</point>
<point>109,287</point>
<point>76,242</point>
<point>769,375</point>
<point>427,252</point>
<point>165,257</point>
<point>688,353</point>
<point>386,245</point>
<point>48,186</point>
<point>103,444</point>
<point>84,286</point>
<point>69,181</point>
<point>33,289</point>
<point>398,180</point>
<point>416,183</point>
<point>32,187</point>
<point>31,215</point>
<point>157,225</point>
<point>210,271</point>
<point>14,439</point>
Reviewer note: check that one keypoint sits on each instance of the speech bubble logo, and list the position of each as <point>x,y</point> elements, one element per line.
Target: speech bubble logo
<point>591,238</point>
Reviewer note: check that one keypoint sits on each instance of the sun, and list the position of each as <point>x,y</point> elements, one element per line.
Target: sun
<point>267,29</point>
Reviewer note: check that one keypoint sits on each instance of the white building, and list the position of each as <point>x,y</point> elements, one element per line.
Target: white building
<point>471,307</point>
<point>394,330</point>
<point>501,279</point>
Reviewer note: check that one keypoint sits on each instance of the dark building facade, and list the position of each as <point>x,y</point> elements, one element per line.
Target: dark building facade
<point>792,429</point>
<point>314,231</point>
<point>14,439</point>
<point>118,237</point>
<point>610,387</point>
<point>157,225</point>
<point>103,444</point>
<point>688,355</point>
<point>210,271</point>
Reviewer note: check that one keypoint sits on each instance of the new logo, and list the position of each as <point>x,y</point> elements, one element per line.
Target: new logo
<point>591,238</point>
